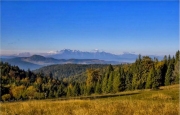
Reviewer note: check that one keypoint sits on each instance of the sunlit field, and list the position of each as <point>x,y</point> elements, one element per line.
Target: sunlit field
<point>164,101</point>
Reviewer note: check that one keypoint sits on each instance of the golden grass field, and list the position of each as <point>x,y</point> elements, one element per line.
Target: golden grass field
<point>141,102</point>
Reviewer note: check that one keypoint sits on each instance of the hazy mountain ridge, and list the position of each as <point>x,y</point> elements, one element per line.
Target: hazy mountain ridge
<point>101,55</point>
<point>37,61</point>
<point>77,54</point>
<point>68,56</point>
<point>17,61</point>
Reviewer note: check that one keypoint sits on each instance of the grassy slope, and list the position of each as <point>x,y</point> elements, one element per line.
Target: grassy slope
<point>142,102</point>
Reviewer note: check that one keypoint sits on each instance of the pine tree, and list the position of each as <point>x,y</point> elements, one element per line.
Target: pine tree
<point>104,83</point>
<point>60,91</point>
<point>169,74</point>
<point>116,82</point>
<point>164,70</point>
<point>177,57</point>
<point>137,73</point>
<point>69,90</point>
<point>76,89</point>
<point>152,79</point>
<point>122,79</point>
<point>110,68</point>
<point>155,84</point>
<point>176,74</point>
<point>165,59</point>
<point>82,89</point>
<point>128,81</point>
<point>51,94</point>
<point>159,76</point>
<point>149,81</point>
<point>110,83</point>
<point>169,60</point>
<point>98,88</point>
<point>90,89</point>
<point>173,60</point>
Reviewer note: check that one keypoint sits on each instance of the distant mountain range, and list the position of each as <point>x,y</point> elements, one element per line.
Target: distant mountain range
<point>67,56</point>
<point>18,61</point>
<point>37,61</point>
<point>76,54</point>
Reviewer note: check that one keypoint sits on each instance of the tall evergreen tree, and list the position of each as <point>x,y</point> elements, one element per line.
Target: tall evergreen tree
<point>165,59</point>
<point>82,88</point>
<point>128,81</point>
<point>60,91</point>
<point>122,79</point>
<point>137,73</point>
<point>110,83</point>
<point>176,74</point>
<point>177,57</point>
<point>69,90</point>
<point>98,88</point>
<point>152,79</point>
<point>149,80</point>
<point>110,68</point>
<point>169,60</point>
<point>104,82</point>
<point>116,82</point>
<point>76,89</point>
<point>173,61</point>
<point>164,70</point>
<point>159,76</point>
<point>169,74</point>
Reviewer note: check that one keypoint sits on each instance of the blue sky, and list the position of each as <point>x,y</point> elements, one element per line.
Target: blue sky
<point>116,27</point>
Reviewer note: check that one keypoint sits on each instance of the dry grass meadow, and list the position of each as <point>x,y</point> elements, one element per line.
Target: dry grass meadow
<point>142,102</point>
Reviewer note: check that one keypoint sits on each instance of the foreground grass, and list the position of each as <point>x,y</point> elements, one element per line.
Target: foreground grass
<point>147,102</point>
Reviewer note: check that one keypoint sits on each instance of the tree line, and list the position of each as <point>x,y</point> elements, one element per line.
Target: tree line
<point>144,73</point>
<point>75,71</point>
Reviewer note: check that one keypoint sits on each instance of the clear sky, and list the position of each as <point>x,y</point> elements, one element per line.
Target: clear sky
<point>116,27</point>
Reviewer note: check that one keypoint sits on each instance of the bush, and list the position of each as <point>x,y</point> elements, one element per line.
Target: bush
<point>6,97</point>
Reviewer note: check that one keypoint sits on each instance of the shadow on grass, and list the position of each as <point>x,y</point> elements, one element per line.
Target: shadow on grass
<point>95,96</point>
<point>112,95</point>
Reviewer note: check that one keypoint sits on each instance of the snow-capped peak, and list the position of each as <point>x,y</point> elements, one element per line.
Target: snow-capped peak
<point>52,52</point>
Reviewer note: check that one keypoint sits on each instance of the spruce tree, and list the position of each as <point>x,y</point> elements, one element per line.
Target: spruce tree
<point>122,80</point>
<point>169,60</point>
<point>173,60</point>
<point>116,82</point>
<point>155,84</point>
<point>82,89</point>
<point>152,79</point>
<point>164,70</point>
<point>137,73</point>
<point>149,81</point>
<point>169,74</point>
<point>98,88</point>
<point>165,59</point>
<point>159,76</point>
<point>177,57</point>
<point>69,91</point>
<point>128,81</point>
<point>60,91</point>
<point>176,74</point>
<point>110,68</point>
<point>76,89</point>
<point>110,83</point>
<point>104,83</point>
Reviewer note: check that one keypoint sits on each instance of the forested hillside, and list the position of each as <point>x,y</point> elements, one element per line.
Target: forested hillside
<point>144,73</point>
<point>68,70</point>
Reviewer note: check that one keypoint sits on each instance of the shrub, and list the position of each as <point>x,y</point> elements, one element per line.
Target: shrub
<point>6,97</point>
